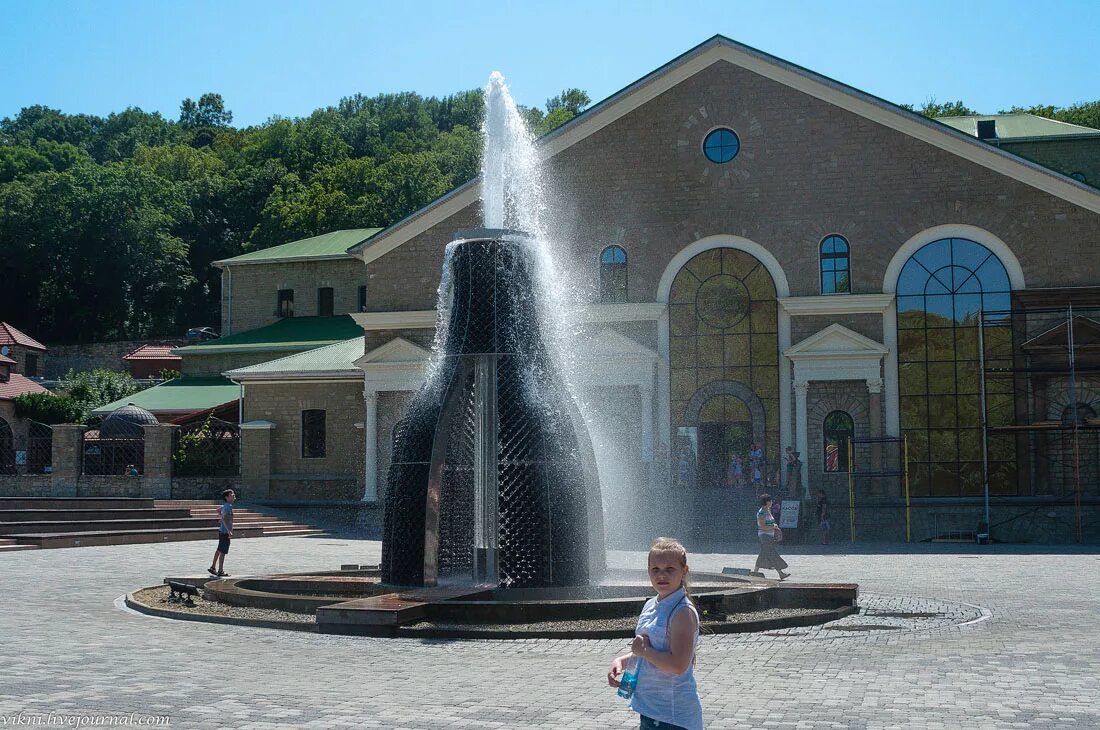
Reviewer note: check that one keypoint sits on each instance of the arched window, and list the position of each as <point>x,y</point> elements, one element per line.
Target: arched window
<point>835,266</point>
<point>1085,413</point>
<point>613,274</point>
<point>836,435</point>
<point>941,292</point>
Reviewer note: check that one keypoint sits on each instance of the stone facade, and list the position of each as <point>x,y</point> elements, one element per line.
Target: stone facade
<point>60,359</point>
<point>254,289</point>
<point>283,402</point>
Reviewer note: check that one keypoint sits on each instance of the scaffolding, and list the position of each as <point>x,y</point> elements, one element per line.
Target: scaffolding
<point>1040,406</point>
<point>880,466</point>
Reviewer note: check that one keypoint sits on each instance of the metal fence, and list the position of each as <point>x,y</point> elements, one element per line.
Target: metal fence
<point>119,456</point>
<point>207,448</point>
<point>39,448</point>
<point>7,448</point>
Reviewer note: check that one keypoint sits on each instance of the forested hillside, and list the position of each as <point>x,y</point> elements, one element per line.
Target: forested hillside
<point>108,225</point>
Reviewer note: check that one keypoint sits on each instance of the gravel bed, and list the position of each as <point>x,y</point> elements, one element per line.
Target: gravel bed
<point>625,623</point>
<point>156,597</point>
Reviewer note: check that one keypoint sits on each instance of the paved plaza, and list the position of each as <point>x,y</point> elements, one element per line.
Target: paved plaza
<point>951,637</point>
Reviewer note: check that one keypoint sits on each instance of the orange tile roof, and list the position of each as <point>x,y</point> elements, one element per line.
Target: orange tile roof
<point>8,360</point>
<point>153,352</point>
<point>11,336</point>
<point>18,385</point>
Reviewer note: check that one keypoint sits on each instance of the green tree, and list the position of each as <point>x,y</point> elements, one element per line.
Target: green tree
<point>208,111</point>
<point>49,408</point>
<point>933,108</point>
<point>98,387</point>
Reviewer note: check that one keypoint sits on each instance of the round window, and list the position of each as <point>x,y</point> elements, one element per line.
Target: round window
<point>721,145</point>
<point>722,301</point>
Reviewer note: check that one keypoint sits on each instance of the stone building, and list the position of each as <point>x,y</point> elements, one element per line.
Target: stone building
<point>766,259</point>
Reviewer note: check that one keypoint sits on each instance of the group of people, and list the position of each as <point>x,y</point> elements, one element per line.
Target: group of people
<point>748,470</point>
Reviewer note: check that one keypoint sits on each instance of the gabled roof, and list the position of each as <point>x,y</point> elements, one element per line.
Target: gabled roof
<point>722,49</point>
<point>291,333</point>
<point>11,336</point>
<point>329,361</point>
<point>1086,334</point>
<point>1015,127</point>
<point>333,245</point>
<point>835,341</point>
<point>152,352</point>
<point>181,395</point>
<point>7,360</point>
<point>397,351</point>
<point>19,385</point>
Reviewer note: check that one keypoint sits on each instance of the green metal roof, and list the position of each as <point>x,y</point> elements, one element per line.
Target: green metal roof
<point>181,395</point>
<point>327,245</point>
<point>331,360</point>
<point>292,333</point>
<point>1014,126</point>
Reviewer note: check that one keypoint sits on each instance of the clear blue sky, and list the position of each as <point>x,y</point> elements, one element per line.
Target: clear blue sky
<point>279,57</point>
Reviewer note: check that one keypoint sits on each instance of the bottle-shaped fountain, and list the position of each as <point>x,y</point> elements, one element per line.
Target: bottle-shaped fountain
<point>492,480</point>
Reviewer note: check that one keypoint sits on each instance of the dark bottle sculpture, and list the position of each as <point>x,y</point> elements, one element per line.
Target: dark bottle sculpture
<point>492,479</point>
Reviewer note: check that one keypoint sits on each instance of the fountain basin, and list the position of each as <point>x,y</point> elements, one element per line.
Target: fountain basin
<point>359,604</point>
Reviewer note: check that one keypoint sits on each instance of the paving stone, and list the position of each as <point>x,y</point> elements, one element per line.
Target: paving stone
<point>1004,641</point>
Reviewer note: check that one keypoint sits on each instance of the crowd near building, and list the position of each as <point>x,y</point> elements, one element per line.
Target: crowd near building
<point>773,268</point>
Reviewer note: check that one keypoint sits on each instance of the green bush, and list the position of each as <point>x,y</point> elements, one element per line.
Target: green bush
<point>49,408</point>
<point>95,388</point>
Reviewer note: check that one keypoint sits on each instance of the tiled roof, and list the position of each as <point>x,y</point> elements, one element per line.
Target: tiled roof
<point>18,385</point>
<point>328,245</point>
<point>292,333</point>
<point>152,352</point>
<point>7,360</point>
<point>11,336</point>
<point>181,395</point>
<point>331,360</point>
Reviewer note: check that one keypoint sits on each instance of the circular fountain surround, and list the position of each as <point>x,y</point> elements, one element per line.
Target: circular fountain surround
<point>357,602</point>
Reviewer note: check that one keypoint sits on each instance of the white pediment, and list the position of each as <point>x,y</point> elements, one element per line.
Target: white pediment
<point>397,351</point>
<point>836,341</point>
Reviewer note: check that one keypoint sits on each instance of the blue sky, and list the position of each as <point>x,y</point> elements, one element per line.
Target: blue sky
<point>286,58</point>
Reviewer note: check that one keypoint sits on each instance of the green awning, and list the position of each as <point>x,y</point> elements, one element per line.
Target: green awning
<point>292,333</point>
<point>181,395</point>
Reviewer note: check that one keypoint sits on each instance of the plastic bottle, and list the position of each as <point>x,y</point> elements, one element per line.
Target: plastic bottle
<point>629,679</point>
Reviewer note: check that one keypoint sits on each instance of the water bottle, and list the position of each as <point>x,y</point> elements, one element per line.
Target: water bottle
<point>629,679</point>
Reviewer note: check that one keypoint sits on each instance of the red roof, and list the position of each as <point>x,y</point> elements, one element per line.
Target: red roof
<point>8,360</point>
<point>18,385</point>
<point>11,336</point>
<point>153,352</point>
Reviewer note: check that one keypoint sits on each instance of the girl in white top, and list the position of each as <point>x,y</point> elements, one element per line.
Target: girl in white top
<point>664,644</point>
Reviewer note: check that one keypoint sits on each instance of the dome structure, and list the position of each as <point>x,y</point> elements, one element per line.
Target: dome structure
<point>126,423</point>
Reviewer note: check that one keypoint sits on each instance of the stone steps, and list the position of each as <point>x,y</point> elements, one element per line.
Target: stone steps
<point>48,522</point>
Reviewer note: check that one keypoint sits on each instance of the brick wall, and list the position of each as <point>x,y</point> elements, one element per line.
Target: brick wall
<point>1067,156</point>
<point>255,290</point>
<point>283,403</point>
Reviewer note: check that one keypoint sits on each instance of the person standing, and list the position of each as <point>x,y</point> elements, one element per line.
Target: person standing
<point>769,534</point>
<point>657,674</point>
<point>823,516</point>
<point>225,534</point>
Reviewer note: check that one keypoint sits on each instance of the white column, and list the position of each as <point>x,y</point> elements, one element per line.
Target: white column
<point>646,394</point>
<point>890,381</point>
<point>801,388</point>
<point>784,387</point>
<point>370,433</point>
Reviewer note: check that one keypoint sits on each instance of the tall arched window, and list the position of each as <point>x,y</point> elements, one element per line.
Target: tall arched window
<point>941,292</point>
<point>835,266</point>
<point>613,274</point>
<point>836,434</point>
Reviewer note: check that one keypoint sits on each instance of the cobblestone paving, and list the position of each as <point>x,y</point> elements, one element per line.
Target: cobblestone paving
<point>949,638</point>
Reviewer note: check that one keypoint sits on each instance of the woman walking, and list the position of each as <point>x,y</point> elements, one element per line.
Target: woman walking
<point>769,534</point>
